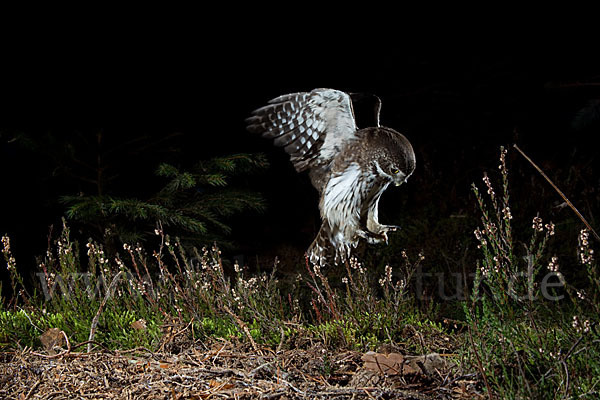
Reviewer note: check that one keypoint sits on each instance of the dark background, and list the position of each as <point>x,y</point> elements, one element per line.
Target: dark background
<point>455,108</point>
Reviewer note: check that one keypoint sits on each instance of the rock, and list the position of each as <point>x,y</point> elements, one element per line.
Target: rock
<point>52,338</point>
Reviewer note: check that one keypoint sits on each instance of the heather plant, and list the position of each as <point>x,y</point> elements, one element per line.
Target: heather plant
<point>127,300</point>
<point>16,281</point>
<point>531,333</point>
<point>367,310</point>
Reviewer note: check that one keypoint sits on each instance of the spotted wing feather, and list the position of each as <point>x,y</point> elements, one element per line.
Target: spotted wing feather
<point>311,126</point>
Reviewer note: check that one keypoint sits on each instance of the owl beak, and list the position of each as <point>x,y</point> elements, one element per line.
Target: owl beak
<point>399,179</point>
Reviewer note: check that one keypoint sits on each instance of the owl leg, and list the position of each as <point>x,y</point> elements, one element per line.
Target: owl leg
<point>377,230</point>
<point>373,224</point>
<point>320,251</point>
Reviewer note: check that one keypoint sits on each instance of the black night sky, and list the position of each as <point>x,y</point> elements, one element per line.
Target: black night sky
<point>456,109</point>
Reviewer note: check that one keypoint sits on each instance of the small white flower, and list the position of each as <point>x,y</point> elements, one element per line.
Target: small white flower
<point>553,265</point>
<point>388,273</point>
<point>487,182</point>
<point>537,224</point>
<point>586,326</point>
<point>577,324</point>
<point>237,267</point>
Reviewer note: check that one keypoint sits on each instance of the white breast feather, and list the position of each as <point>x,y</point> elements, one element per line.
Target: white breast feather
<point>341,205</point>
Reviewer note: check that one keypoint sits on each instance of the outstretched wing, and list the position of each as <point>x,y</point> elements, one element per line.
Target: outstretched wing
<point>313,126</point>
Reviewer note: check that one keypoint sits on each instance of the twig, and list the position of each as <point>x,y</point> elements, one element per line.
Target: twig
<point>222,371</point>
<point>559,192</point>
<point>30,321</point>
<point>244,329</point>
<point>177,383</point>
<point>67,341</point>
<point>368,394</point>
<point>255,370</point>
<point>566,357</point>
<point>281,340</point>
<point>564,364</point>
<point>32,389</point>
<point>154,356</point>
<point>293,387</point>
<point>480,365</point>
<point>51,395</point>
<point>216,355</point>
<point>92,342</point>
<point>109,293</point>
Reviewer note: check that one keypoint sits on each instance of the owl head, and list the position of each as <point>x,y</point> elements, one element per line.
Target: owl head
<point>390,154</point>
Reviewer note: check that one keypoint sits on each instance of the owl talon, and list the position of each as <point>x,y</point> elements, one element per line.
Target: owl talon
<point>390,228</point>
<point>387,228</point>
<point>372,238</point>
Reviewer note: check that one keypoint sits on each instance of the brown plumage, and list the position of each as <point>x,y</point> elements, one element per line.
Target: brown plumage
<point>350,167</point>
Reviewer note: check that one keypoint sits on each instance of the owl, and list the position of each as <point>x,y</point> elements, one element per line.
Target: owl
<point>349,167</point>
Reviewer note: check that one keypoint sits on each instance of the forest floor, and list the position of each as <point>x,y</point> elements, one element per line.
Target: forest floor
<point>222,369</point>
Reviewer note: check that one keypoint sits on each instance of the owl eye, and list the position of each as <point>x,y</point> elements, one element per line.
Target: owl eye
<point>396,171</point>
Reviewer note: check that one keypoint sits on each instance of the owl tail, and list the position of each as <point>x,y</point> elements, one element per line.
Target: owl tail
<point>320,252</point>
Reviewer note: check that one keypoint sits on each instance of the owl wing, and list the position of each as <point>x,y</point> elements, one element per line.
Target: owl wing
<point>312,127</point>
